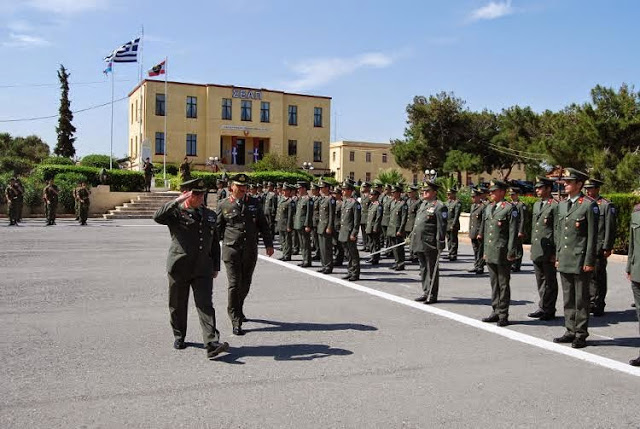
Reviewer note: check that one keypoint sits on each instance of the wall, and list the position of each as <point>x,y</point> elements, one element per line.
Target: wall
<point>342,165</point>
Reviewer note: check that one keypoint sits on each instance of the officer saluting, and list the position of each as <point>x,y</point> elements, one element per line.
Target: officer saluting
<point>193,261</point>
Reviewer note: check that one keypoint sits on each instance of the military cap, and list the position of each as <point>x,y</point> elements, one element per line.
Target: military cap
<point>279,185</point>
<point>302,184</point>
<point>413,188</point>
<point>541,182</point>
<point>365,185</point>
<point>240,179</point>
<point>337,190</point>
<point>221,181</point>
<point>193,185</point>
<point>494,185</point>
<point>593,183</point>
<point>515,190</point>
<point>314,185</point>
<point>573,174</point>
<point>430,186</point>
<point>452,190</point>
<point>259,185</point>
<point>252,186</point>
<point>375,192</point>
<point>388,186</point>
<point>398,187</point>
<point>323,184</point>
<point>13,179</point>
<point>477,191</point>
<point>288,186</point>
<point>269,183</point>
<point>377,183</point>
<point>349,185</point>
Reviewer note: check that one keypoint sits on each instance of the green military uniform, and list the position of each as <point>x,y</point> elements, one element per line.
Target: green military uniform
<point>194,256</point>
<point>365,202</point>
<point>270,209</point>
<point>427,242</point>
<point>20,200</point>
<point>396,229</point>
<point>50,197</point>
<point>516,264</point>
<point>499,231</point>
<point>606,238</point>
<point>84,203</point>
<point>543,253</point>
<point>349,227</point>
<point>185,171</point>
<point>315,242</point>
<point>76,202</point>
<point>148,175</point>
<point>453,224</point>
<point>239,224</point>
<point>374,227</point>
<point>576,242</point>
<point>475,223</point>
<point>385,200</point>
<point>338,249</point>
<point>633,264</point>
<point>413,205</point>
<point>303,220</point>
<point>326,228</point>
<point>284,224</point>
<point>11,196</point>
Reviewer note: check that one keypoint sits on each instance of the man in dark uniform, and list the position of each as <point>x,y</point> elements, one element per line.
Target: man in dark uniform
<point>374,226</point>
<point>633,265</point>
<point>303,222</point>
<point>315,199</point>
<point>576,244</point>
<point>475,223</point>
<point>83,202</point>
<point>543,249</point>
<point>240,219</point>
<point>386,199</point>
<point>50,198</point>
<point>338,249</point>
<point>271,207</point>
<point>148,174</point>
<point>284,221</point>
<point>395,229</point>
<point>11,196</point>
<point>413,205</point>
<point>453,222</point>
<point>185,170</point>
<point>515,192</point>
<point>193,261</point>
<point>499,231</point>
<point>326,227</point>
<point>606,238</point>
<point>427,240</point>
<point>365,201</point>
<point>19,187</point>
<point>221,193</point>
<point>349,227</point>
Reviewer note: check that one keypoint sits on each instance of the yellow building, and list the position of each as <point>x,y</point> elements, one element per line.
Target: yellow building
<point>363,161</point>
<point>236,124</point>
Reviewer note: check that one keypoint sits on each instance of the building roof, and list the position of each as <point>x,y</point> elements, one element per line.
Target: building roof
<point>351,143</point>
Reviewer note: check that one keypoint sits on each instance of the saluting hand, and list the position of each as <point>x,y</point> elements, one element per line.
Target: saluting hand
<point>183,197</point>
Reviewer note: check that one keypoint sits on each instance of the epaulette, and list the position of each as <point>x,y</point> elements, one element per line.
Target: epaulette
<point>603,199</point>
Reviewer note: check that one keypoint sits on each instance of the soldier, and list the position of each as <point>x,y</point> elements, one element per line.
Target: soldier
<point>386,200</point>
<point>284,221</point>
<point>576,243</point>
<point>270,207</point>
<point>396,227</point>
<point>349,227</point>
<point>221,193</point>
<point>543,249</point>
<point>515,199</point>
<point>499,231</point>
<point>50,198</point>
<point>453,222</point>
<point>11,196</point>
<point>84,202</point>
<point>193,261</point>
<point>148,174</point>
<point>240,219</point>
<point>413,205</point>
<point>365,201</point>
<point>20,200</point>
<point>374,226</point>
<point>315,199</point>
<point>606,238</point>
<point>338,249</point>
<point>303,222</point>
<point>326,227</point>
<point>633,265</point>
<point>76,203</point>
<point>295,240</point>
<point>475,223</point>
<point>427,241</point>
<point>185,169</point>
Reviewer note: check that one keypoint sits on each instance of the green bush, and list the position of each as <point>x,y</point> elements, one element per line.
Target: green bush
<point>98,161</point>
<point>15,165</point>
<point>255,177</point>
<point>57,160</point>
<point>66,183</point>
<point>119,180</point>
<point>125,180</point>
<point>46,172</point>
<point>33,191</point>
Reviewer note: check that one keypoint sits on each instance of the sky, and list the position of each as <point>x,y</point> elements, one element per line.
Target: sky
<point>371,57</point>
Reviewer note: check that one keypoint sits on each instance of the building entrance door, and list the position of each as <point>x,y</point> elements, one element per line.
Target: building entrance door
<point>242,151</point>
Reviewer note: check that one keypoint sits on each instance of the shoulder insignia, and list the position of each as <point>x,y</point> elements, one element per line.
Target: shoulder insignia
<point>444,214</point>
<point>333,201</point>
<point>596,210</point>
<point>359,206</point>
<point>613,210</point>
<point>580,200</point>
<point>514,213</point>
<point>503,204</point>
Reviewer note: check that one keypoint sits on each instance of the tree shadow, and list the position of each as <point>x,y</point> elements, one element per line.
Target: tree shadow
<point>276,326</point>
<point>283,352</point>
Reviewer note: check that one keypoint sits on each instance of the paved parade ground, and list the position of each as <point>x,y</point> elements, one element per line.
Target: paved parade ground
<point>86,342</point>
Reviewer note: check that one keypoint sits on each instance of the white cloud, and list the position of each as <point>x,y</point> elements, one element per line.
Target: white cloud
<point>24,41</point>
<point>317,72</point>
<point>492,10</point>
<point>66,6</point>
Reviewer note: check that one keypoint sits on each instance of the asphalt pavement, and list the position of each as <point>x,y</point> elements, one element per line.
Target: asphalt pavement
<point>86,343</point>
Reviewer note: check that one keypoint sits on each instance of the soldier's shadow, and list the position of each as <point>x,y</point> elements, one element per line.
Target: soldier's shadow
<point>283,352</point>
<point>276,326</point>
<point>620,342</point>
<point>613,318</point>
<point>479,301</point>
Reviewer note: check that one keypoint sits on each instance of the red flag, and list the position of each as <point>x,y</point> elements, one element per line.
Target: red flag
<point>158,69</point>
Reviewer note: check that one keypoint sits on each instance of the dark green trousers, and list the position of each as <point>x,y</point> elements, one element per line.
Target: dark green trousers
<point>575,292</point>
<point>374,245</point>
<point>398,252</point>
<point>305,245</point>
<point>179,305</point>
<point>51,212</point>
<point>598,284</point>
<point>285,243</point>
<point>325,243</point>
<point>500,276</point>
<point>478,254</point>
<point>11,213</point>
<point>351,249</point>
<point>84,212</point>
<point>429,273</point>
<point>547,280</point>
<point>239,276</point>
<point>635,288</point>
<point>452,243</point>
<point>295,242</point>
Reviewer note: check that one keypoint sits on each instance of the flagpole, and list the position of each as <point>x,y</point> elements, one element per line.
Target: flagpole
<point>140,98</point>
<point>166,113</point>
<point>111,145</point>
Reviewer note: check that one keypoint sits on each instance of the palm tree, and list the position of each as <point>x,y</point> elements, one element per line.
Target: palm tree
<point>390,176</point>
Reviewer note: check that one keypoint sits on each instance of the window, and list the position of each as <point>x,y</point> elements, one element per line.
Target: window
<point>159,143</point>
<point>136,110</point>
<point>317,116</point>
<point>293,115</point>
<point>264,111</point>
<point>367,176</point>
<point>192,145</point>
<point>384,157</point>
<point>333,154</point>
<point>317,151</point>
<point>352,175</point>
<point>160,105</point>
<point>226,108</point>
<point>367,156</point>
<point>293,147</point>
<point>352,156</point>
<point>192,107</point>
<point>131,113</point>
<point>245,110</point>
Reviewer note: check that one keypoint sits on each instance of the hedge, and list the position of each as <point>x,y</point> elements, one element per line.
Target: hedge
<point>120,180</point>
<point>14,165</point>
<point>98,161</point>
<point>57,160</point>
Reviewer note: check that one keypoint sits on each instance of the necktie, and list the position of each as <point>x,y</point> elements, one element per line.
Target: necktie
<point>569,205</point>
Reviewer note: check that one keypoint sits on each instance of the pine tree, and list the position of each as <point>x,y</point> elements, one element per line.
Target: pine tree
<point>65,128</point>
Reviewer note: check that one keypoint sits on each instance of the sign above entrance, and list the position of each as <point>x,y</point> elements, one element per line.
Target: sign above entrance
<point>242,128</point>
<point>247,93</point>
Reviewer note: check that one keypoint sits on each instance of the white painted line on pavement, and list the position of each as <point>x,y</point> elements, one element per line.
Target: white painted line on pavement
<point>504,332</point>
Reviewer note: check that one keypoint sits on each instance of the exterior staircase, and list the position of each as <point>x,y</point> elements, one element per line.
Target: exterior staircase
<point>142,207</point>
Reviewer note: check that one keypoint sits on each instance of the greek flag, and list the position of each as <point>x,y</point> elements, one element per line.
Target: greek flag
<point>127,53</point>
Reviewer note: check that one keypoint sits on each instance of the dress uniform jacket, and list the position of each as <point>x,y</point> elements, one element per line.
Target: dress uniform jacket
<point>386,201</point>
<point>499,231</point>
<point>397,218</point>
<point>606,225</point>
<point>453,209</point>
<point>543,222</point>
<point>326,213</point>
<point>374,218</point>
<point>576,234</point>
<point>633,261</point>
<point>285,214</point>
<point>475,220</point>
<point>350,219</point>
<point>304,213</point>
<point>413,205</point>
<point>365,202</point>
<point>429,228</point>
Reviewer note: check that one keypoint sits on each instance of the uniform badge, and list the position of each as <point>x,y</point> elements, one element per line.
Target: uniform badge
<point>499,223</point>
<point>444,215</point>
<point>595,210</point>
<point>514,213</point>
<point>613,210</point>
<point>577,224</point>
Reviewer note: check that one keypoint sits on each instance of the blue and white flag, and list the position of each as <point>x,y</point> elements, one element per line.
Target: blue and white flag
<point>127,53</point>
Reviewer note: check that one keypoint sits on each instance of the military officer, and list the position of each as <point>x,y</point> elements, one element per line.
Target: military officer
<point>386,199</point>
<point>499,231</point>
<point>50,198</point>
<point>633,265</point>
<point>349,227</point>
<point>338,249</point>
<point>221,193</point>
<point>576,244</point>
<point>515,192</point>
<point>606,238</point>
<point>240,219</point>
<point>374,226</point>
<point>303,222</point>
<point>413,205</point>
<point>270,207</point>
<point>148,174</point>
<point>365,201</point>
<point>427,241</point>
<point>396,227</point>
<point>193,261</point>
<point>83,202</point>
<point>475,222</point>
<point>543,249</point>
<point>185,169</point>
<point>19,187</point>
<point>11,196</point>
<point>315,199</point>
<point>453,222</point>
<point>284,221</point>
<point>326,227</point>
